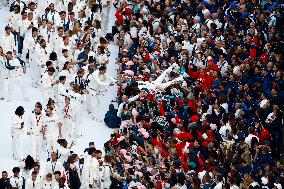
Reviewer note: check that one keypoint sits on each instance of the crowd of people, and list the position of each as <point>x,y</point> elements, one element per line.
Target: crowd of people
<point>200,92</point>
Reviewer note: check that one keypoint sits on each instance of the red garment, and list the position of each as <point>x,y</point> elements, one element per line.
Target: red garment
<point>179,148</point>
<point>162,111</point>
<point>192,104</point>
<point>119,16</point>
<point>155,142</point>
<point>193,74</point>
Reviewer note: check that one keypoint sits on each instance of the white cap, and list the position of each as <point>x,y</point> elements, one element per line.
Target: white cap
<point>278,186</point>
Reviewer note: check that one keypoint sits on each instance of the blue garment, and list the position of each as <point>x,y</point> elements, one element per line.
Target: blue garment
<point>112,120</point>
<point>83,56</point>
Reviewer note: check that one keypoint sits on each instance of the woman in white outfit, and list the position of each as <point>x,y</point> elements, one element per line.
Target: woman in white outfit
<point>16,131</point>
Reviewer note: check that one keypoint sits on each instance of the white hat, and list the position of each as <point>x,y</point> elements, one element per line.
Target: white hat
<point>278,186</point>
<point>264,180</point>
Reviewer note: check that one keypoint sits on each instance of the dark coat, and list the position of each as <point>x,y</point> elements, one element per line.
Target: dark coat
<point>112,120</point>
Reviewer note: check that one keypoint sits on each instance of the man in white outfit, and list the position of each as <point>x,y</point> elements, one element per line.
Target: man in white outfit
<point>94,170</point>
<point>68,129</point>
<point>54,164</point>
<point>17,131</point>
<point>8,41</point>
<point>35,129</point>
<point>16,180</point>
<point>99,83</point>
<point>16,68</point>
<point>33,182</point>
<point>41,56</point>
<point>62,91</point>
<point>52,130</point>
<point>48,84</point>
<point>30,46</point>
<point>47,182</point>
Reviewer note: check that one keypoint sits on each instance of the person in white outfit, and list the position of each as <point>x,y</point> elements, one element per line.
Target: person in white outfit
<point>52,130</point>
<point>17,131</point>
<point>42,56</point>
<point>54,164</point>
<point>94,170</point>
<point>8,41</point>
<point>16,68</point>
<point>106,173</point>
<point>2,73</point>
<point>48,84</point>
<point>16,180</point>
<point>47,182</point>
<point>99,83</point>
<point>62,91</point>
<point>33,182</point>
<point>68,128</point>
<point>29,48</point>
<point>35,129</point>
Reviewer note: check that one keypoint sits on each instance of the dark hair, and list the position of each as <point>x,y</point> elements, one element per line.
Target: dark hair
<point>102,68</point>
<point>61,78</point>
<point>48,63</point>
<point>53,56</point>
<point>29,162</point>
<point>111,107</point>
<point>20,111</point>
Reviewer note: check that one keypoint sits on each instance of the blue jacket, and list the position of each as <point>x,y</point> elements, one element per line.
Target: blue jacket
<point>112,120</point>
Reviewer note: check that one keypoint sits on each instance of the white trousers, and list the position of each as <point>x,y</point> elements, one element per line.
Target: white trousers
<point>106,184</point>
<point>68,131</point>
<point>16,144</point>
<point>13,83</point>
<point>105,18</point>
<point>48,93</point>
<point>2,81</point>
<point>36,146</point>
<point>51,143</point>
<point>96,103</point>
<point>36,73</point>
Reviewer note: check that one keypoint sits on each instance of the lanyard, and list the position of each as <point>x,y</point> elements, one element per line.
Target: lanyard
<point>66,110</point>
<point>53,166</point>
<point>38,118</point>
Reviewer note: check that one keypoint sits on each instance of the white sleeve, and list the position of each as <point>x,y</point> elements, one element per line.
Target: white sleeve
<point>46,82</point>
<point>16,122</point>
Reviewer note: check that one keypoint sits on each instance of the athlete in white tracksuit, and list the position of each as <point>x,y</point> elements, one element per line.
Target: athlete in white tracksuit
<point>2,76</point>
<point>17,131</point>
<point>54,164</point>
<point>68,127</point>
<point>16,68</point>
<point>94,172</point>
<point>52,130</point>
<point>41,56</point>
<point>48,84</point>
<point>30,45</point>
<point>99,83</point>
<point>62,92</point>
<point>8,41</point>
<point>34,182</point>
<point>106,174</point>
<point>35,129</point>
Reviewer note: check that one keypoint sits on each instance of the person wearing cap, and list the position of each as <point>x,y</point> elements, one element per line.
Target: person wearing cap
<point>16,180</point>
<point>35,129</point>
<point>16,68</point>
<point>8,41</point>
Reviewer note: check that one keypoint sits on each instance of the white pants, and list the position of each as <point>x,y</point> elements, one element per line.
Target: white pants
<point>51,143</point>
<point>68,130</point>
<point>96,102</point>
<point>36,146</point>
<point>16,144</point>
<point>106,184</point>
<point>48,93</point>
<point>13,83</point>
<point>105,18</point>
<point>2,80</point>
<point>36,73</point>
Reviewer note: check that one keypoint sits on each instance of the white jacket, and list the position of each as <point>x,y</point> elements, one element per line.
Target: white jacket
<point>51,166</point>
<point>94,171</point>
<point>52,126</point>
<point>47,81</point>
<point>8,43</point>
<point>17,182</point>
<point>42,55</point>
<point>17,124</point>
<point>35,124</point>
<point>100,82</point>
<point>30,184</point>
